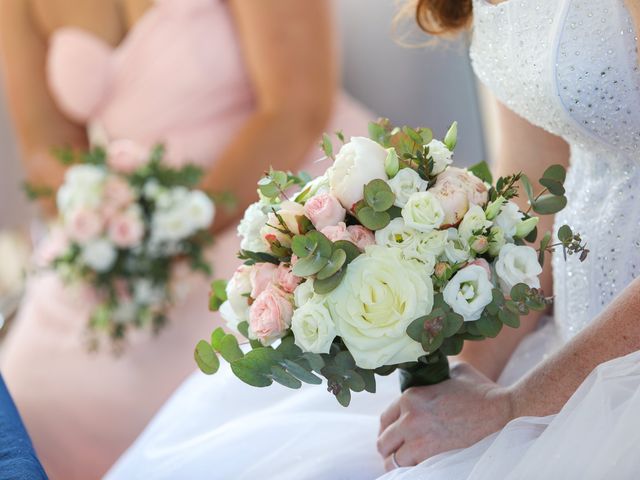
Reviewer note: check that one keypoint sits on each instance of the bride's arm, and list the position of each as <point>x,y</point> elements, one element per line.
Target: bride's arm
<point>528,149</point>
<point>288,50</point>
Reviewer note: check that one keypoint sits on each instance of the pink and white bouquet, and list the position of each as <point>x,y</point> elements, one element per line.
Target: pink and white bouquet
<point>127,221</point>
<point>391,259</point>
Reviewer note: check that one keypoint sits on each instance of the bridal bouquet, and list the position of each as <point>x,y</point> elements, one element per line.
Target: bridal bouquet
<point>127,221</point>
<point>390,260</point>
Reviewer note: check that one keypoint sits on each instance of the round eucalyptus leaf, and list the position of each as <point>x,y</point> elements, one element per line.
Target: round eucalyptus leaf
<point>335,263</point>
<point>373,220</point>
<point>565,233</point>
<point>310,265</point>
<point>283,377</point>
<point>323,287</point>
<point>549,204</point>
<point>509,318</point>
<point>229,348</point>
<point>216,338</point>
<point>303,246</point>
<point>206,358</point>
<point>555,187</point>
<point>555,172</point>
<point>301,373</point>
<point>351,250</point>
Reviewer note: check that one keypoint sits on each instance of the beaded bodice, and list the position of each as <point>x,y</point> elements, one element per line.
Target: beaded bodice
<point>571,67</point>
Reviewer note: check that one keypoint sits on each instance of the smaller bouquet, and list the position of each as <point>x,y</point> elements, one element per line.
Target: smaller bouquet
<point>391,260</point>
<point>127,220</point>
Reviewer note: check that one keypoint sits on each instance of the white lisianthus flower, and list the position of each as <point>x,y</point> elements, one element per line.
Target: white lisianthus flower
<point>200,209</point>
<point>249,228</point>
<point>426,248</point>
<point>423,212</point>
<point>99,255</point>
<point>396,234</point>
<point>146,293</point>
<point>169,226</point>
<point>380,295</point>
<point>406,182</point>
<point>469,292</point>
<point>474,222</point>
<point>357,163</point>
<point>455,250</point>
<point>508,219</point>
<point>518,264</point>
<point>238,290</point>
<point>303,293</point>
<point>441,156</point>
<point>496,241</point>
<point>313,327</point>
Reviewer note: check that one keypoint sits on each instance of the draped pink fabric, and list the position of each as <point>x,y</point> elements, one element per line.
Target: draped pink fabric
<point>178,78</point>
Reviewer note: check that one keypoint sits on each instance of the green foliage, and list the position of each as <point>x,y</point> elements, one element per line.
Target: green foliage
<point>218,294</point>
<point>35,192</point>
<point>451,138</point>
<point>378,195</point>
<point>206,358</point>
<point>482,171</point>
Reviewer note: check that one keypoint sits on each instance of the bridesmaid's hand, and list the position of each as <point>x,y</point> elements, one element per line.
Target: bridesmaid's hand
<point>426,421</point>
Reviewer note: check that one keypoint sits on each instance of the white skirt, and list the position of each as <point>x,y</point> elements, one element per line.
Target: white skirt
<point>218,428</point>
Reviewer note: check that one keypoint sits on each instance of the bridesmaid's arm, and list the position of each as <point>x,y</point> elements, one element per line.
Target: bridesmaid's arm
<point>25,26</point>
<point>288,50</point>
<point>528,149</point>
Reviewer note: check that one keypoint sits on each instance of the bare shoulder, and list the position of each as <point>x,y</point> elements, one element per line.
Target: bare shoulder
<point>101,17</point>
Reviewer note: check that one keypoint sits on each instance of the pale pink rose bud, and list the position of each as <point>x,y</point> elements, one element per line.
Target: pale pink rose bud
<point>336,232</point>
<point>83,225</point>
<point>126,156</point>
<point>324,210</point>
<point>441,268</point>
<point>118,193</point>
<point>261,276</point>
<point>481,262</point>
<point>480,244</point>
<point>126,230</point>
<point>285,279</point>
<point>270,315</point>
<point>361,236</point>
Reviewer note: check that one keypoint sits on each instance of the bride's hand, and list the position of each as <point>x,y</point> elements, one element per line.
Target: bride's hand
<point>425,421</point>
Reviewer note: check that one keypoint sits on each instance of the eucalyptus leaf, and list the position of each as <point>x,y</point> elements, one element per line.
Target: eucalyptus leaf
<point>509,318</point>
<point>216,337</point>
<point>528,188</point>
<point>378,195</point>
<point>373,220</point>
<point>565,233</point>
<point>303,246</point>
<point>555,172</point>
<point>284,378</point>
<point>452,324</point>
<point>427,135</point>
<point>310,265</point>
<point>326,286</point>
<point>229,348</point>
<point>327,146</point>
<point>350,249</point>
<point>452,346</point>
<point>354,381</point>
<point>489,325</point>
<point>344,397</point>
<point>482,171</point>
<point>369,380</point>
<point>301,373</point>
<point>549,204</point>
<point>519,292</point>
<point>206,358</point>
<point>335,263</point>
<point>555,187</point>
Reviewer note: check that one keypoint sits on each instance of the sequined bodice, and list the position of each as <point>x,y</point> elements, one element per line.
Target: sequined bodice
<point>571,67</point>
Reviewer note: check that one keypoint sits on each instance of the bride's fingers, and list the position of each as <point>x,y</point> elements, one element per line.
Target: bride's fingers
<point>390,440</point>
<point>390,415</point>
<point>401,460</point>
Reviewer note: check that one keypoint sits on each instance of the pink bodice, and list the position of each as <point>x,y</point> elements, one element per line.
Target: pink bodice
<point>177,78</point>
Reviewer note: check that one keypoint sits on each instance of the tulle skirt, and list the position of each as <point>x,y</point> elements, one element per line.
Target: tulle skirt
<point>218,428</point>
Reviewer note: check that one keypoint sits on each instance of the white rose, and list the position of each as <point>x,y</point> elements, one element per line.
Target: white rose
<point>229,316</point>
<point>83,187</point>
<point>380,295</point>
<point>509,218</point>
<point>406,182</point>
<point>99,255</point>
<point>427,247</point>
<point>474,222</point>
<point>469,292</point>
<point>238,290</point>
<point>455,250</point>
<point>441,156</point>
<point>146,293</point>
<point>357,163</point>
<point>249,228</point>
<point>423,212</point>
<point>303,293</point>
<point>169,226</point>
<point>200,210</point>
<point>313,327</point>
<point>396,234</point>
<point>518,264</point>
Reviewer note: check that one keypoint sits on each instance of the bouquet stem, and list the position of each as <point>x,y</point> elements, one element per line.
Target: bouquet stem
<point>431,370</point>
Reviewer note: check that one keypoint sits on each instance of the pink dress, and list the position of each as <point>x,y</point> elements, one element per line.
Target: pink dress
<point>178,78</point>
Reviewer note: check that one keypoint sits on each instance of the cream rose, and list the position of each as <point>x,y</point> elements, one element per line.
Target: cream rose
<point>250,226</point>
<point>469,292</point>
<point>313,327</point>
<point>404,184</point>
<point>358,162</point>
<point>303,293</point>
<point>518,264</point>
<point>380,295</point>
<point>423,212</point>
<point>426,247</point>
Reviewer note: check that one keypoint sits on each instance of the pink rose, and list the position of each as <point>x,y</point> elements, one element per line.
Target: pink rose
<point>324,210</point>
<point>126,156</point>
<point>126,230</point>
<point>270,315</point>
<point>285,279</point>
<point>361,236</point>
<point>117,193</point>
<point>336,232</point>
<point>481,262</point>
<point>83,225</point>
<point>261,276</point>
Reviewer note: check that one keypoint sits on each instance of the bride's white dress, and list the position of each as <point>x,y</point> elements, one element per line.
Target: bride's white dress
<point>571,67</point>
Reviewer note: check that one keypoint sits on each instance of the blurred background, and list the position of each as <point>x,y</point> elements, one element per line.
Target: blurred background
<point>403,83</point>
